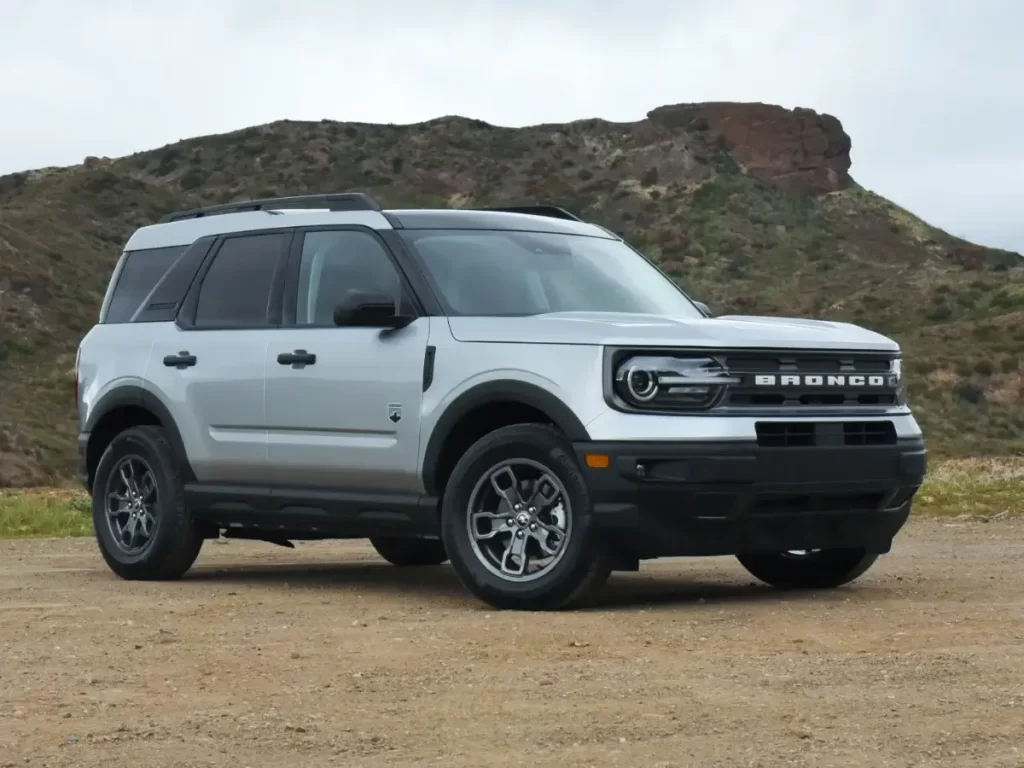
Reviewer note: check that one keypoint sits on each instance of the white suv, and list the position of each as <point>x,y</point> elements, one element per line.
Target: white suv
<point>514,390</point>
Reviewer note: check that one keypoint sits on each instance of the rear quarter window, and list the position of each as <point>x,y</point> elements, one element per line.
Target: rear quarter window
<point>135,276</point>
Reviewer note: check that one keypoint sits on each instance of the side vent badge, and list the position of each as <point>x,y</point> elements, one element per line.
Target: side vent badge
<point>395,412</point>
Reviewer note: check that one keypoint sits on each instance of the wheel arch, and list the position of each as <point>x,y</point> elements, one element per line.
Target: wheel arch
<point>124,407</point>
<point>482,409</point>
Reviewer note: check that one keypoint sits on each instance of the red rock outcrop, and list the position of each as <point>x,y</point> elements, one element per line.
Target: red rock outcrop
<point>798,149</point>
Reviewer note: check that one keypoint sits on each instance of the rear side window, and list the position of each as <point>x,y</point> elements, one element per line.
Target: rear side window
<point>162,304</point>
<point>139,274</point>
<point>236,290</point>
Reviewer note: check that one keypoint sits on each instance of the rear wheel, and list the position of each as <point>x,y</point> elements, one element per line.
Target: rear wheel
<point>410,552</point>
<point>809,569</point>
<point>142,527</point>
<point>516,521</point>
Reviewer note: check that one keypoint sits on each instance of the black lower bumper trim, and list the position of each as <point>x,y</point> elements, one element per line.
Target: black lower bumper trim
<point>83,460</point>
<point>662,499</point>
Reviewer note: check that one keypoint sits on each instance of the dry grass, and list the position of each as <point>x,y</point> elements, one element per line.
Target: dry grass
<point>986,489</point>
<point>979,488</point>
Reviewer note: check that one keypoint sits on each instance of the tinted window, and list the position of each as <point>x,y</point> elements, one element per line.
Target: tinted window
<point>162,304</point>
<point>236,289</point>
<point>493,273</point>
<point>335,264</point>
<point>142,270</point>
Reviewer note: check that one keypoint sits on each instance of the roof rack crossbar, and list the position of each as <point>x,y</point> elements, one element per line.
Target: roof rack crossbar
<point>344,201</point>
<point>550,211</point>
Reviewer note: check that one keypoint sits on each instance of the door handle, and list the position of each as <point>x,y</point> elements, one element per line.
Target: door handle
<point>180,361</point>
<point>297,359</point>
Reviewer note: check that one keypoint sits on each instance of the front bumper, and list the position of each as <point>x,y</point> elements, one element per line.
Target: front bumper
<point>661,498</point>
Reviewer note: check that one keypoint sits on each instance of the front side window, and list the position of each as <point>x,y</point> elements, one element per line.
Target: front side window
<point>335,264</point>
<point>506,273</point>
<point>236,290</point>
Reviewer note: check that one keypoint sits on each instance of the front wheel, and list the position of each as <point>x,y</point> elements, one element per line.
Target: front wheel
<point>516,521</point>
<point>813,569</point>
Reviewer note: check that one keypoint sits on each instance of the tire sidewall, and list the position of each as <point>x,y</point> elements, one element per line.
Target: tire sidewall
<point>142,443</point>
<point>405,552</point>
<point>825,570</point>
<point>542,446</point>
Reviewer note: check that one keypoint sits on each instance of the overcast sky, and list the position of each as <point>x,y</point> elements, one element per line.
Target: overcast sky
<point>932,92</point>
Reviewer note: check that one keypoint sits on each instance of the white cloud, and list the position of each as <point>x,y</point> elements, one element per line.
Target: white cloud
<point>928,89</point>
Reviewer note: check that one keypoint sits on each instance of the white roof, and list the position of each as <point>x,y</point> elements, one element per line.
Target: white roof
<point>187,231</point>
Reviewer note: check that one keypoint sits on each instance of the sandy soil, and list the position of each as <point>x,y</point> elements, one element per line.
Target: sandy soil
<point>327,656</point>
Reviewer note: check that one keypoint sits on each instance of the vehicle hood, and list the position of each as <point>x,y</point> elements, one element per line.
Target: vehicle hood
<point>619,329</point>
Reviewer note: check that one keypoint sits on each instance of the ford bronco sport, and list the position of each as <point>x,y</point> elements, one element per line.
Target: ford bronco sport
<point>515,391</point>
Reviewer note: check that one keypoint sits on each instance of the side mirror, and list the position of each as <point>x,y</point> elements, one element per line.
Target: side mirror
<point>364,309</point>
<point>703,308</point>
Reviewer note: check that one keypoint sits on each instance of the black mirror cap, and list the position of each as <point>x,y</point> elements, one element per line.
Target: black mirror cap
<point>367,309</point>
<point>703,308</point>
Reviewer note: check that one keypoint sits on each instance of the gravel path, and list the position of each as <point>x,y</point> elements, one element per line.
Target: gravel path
<point>327,656</point>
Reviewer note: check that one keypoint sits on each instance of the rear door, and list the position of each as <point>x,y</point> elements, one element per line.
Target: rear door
<point>343,403</point>
<point>209,365</point>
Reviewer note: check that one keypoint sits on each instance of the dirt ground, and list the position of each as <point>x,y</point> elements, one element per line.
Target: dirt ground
<point>327,656</point>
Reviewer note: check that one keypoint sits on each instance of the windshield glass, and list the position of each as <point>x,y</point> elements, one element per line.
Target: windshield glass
<point>503,273</point>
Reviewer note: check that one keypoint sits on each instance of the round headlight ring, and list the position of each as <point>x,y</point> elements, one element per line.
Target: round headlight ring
<point>642,384</point>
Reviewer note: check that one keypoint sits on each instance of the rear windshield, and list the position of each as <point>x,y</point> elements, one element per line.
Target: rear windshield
<point>504,273</point>
<point>136,276</point>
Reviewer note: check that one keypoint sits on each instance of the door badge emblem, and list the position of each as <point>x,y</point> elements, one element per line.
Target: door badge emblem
<point>395,412</point>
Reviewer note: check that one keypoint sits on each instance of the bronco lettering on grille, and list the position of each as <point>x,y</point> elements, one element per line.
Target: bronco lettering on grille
<point>771,380</point>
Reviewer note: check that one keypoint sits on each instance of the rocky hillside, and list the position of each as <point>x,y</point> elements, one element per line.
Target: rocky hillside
<point>750,206</point>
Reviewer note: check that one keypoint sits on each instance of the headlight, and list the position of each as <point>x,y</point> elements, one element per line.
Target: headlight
<point>660,382</point>
<point>896,372</point>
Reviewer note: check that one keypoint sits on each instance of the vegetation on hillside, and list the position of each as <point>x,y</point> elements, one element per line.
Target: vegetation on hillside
<point>737,239</point>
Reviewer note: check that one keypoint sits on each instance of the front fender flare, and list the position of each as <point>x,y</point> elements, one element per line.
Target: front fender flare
<point>505,390</point>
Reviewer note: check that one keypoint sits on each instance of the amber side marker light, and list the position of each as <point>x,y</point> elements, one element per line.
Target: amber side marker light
<point>598,460</point>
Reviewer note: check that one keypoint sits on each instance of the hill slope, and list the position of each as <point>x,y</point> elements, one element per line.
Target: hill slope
<point>750,206</point>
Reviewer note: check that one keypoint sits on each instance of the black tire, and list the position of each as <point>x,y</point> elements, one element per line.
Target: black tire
<point>406,552</point>
<point>823,569</point>
<point>175,541</point>
<point>582,565</point>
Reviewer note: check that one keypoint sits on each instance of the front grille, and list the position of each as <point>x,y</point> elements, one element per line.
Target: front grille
<point>806,380</point>
<point>750,399</point>
<point>804,362</point>
<point>804,434</point>
<point>869,433</point>
<point>781,434</point>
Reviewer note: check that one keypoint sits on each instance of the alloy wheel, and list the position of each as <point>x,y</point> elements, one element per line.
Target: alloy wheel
<point>520,520</point>
<point>131,500</point>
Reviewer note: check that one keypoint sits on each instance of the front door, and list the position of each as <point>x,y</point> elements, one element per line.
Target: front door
<point>343,403</point>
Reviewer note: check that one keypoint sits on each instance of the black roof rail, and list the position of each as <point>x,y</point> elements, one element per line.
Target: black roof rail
<point>344,201</point>
<point>550,211</point>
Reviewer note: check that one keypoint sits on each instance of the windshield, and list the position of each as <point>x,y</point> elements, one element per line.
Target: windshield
<point>505,273</point>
